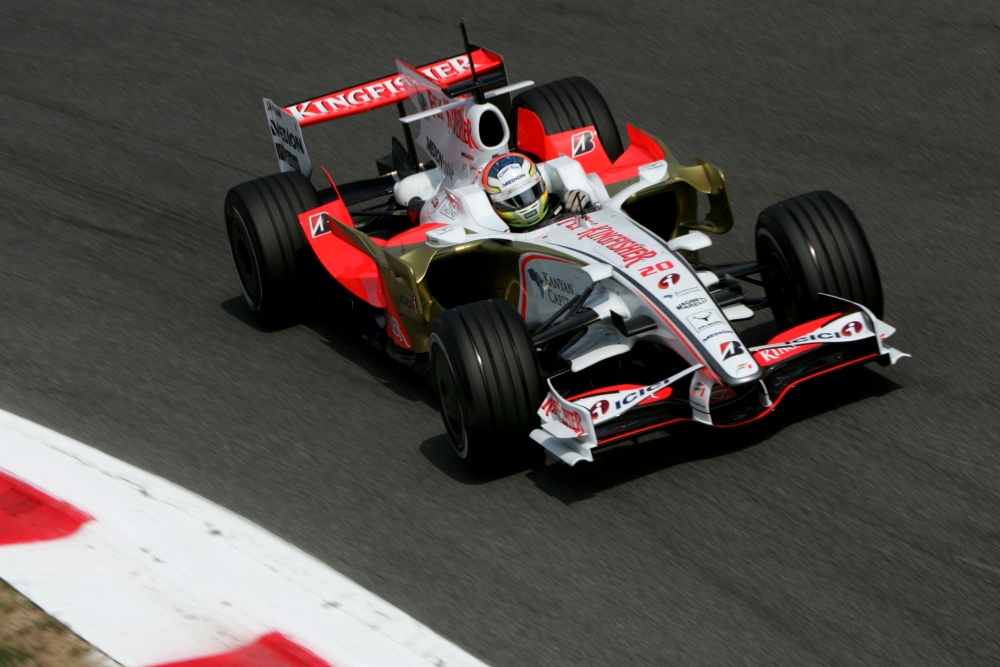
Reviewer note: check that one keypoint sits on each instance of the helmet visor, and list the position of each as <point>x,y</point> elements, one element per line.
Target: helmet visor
<point>521,199</point>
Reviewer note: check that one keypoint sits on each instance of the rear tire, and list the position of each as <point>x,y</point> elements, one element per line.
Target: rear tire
<point>487,380</point>
<point>274,264</point>
<point>571,104</point>
<point>812,244</point>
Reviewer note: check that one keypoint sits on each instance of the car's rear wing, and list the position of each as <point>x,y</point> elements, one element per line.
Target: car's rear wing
<point>286,121</point>
<point>390,89</point>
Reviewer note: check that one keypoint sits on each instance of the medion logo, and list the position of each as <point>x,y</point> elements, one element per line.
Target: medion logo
<point>291,140</point>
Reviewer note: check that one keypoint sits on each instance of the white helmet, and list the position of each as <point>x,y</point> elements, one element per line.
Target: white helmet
<point>516,190</point>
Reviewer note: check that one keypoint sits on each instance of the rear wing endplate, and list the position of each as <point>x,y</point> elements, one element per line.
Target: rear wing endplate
<point>289,145</point>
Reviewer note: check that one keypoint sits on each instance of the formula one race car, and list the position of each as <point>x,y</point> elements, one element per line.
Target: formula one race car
<point>595,325</point>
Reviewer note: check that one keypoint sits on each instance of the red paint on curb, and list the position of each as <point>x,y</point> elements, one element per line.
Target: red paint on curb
<point>28,514</point>
<point>271,650</point>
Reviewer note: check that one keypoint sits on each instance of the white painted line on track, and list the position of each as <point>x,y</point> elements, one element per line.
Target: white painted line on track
<point>162,574</point>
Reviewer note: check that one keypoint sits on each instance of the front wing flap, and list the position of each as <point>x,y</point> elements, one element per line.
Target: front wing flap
<point>572,428</point>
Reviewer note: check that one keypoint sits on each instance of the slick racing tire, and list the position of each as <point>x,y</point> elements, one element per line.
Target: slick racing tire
<point>570,104</point>
<point>812,244</point>
<point>487,381</point>
<point>275,265</point>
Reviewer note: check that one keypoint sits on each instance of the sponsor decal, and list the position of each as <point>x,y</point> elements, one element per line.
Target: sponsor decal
<point>455,118</point>
<point>583,143</point>
<point>704,320</point>
<point>410,301</point>
<point>691,303</point>
<point>395,330</point>
<point>319,224</point>
<point>283,154</point>
<point>716,333</point>
<point>439,160</point>
<point>669,280</point>
<point>604,406</point>
<point>356,97</point>
<point>537,279</point>
<point>388,89</point>
<point>744,367</point>
<point>632,252</point>
<point>559,291</point>
<point>656,268</point>
<point>721,393</point>
<point>600,408</point>
<point>730,348</point>
<point>699,389</point>
<point>687,290</point>
<point>286,136</point>
<point>851,328</point>
<point>446,207</point>
<point>460,126</point>
<point>566,417</point>
<point>775,354</point>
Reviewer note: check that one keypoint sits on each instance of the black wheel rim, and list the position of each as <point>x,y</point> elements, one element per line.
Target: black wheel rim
<point>449,398</point>
<point>244,257</point>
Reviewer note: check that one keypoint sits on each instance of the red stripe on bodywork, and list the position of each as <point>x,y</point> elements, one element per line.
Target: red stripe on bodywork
<point>607,390</point>
<point>271,650</point>
<point>655,397</point>
<point>28,514</point>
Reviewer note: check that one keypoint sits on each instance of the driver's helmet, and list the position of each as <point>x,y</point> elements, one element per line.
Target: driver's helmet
<point>516,190</point>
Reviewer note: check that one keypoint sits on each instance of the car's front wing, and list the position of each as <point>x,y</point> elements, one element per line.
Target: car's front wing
<point>572,427</point>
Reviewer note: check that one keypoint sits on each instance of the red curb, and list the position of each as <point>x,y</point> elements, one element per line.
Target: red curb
<point>271,650</point>
<point>30,515</point>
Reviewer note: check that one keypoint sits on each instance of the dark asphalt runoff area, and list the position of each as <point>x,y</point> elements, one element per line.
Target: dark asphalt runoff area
<point>857,525</point>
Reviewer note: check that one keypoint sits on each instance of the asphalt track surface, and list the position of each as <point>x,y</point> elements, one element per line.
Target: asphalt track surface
<point>858,525</point>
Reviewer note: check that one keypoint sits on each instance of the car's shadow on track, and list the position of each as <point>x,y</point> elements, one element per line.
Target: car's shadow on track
<point>693,442</point>
<point>344,336</point>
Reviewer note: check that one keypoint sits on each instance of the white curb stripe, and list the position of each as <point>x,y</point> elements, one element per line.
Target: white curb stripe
<point>164,575</point>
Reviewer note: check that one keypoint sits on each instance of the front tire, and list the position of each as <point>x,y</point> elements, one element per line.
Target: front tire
<point>274,264</point>
<point>813,244</point>
<point>487,380</point>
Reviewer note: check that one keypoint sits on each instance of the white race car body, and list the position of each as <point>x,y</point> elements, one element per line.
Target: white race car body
<point>633,286</point>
